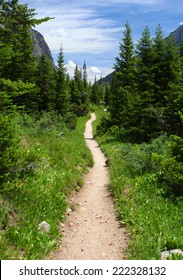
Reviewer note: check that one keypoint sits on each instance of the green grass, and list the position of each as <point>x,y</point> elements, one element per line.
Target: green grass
<point>153,221</point>
<point>52,166</point>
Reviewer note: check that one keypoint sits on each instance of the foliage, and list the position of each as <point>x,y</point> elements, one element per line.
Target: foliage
<point>169,167</point>
<point>17,19</point>
<point>45,83</point>
<point>9,146</point>
<point>62,100</point>
<point>145,96</point>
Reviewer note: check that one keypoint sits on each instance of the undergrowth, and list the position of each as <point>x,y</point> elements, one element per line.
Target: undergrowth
<point>51,164</point>
<point>149,203</point>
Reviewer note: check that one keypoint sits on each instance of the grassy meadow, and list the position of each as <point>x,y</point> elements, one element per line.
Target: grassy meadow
<point>52,162</point>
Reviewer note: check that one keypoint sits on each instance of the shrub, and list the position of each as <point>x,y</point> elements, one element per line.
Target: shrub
<point>9,145</point>
<point>169,168</point>
<point>70,120</point>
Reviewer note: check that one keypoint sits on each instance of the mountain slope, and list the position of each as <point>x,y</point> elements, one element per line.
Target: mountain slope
<point>40,46</point>
<point>178,35</point>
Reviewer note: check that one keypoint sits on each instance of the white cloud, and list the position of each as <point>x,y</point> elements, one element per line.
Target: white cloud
<point>95,69</point>
<point>70,66</point>
<point>80,26</point>
<point>87,28</point>
<point>81,30</point>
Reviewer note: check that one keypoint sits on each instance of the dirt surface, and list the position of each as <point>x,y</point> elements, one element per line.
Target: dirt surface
<point>91,231</point>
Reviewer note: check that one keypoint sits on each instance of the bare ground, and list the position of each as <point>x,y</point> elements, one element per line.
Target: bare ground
<point>92,231</point>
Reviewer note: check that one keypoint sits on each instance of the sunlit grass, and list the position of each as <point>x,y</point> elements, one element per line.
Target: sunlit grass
<point>153,221</point>
<point>59,164</point>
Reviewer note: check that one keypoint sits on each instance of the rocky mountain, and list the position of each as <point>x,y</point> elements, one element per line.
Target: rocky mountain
<point>40,46</point>
<point>107,79</point>
<point>178,35</point>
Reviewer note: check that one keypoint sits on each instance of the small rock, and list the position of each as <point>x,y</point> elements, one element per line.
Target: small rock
<point>69,210</point>
<point>44,227</point>
<point>166,254</point>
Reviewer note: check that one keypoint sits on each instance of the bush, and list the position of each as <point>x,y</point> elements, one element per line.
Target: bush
<point>169,168</point>
<point>47,123</point>
<point>70,120</point>
<point>9,145</point>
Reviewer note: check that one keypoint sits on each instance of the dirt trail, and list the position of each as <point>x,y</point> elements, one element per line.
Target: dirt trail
<point>92,232</point>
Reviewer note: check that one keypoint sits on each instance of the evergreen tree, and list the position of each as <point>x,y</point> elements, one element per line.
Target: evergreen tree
<point>78,98</point>
<point>173,108</point>
<point>46,84</point>
<point>145,60</point>
<point>95,93</point>
<point>159,70</point>
<point>86,87</point>
<point>123,84</point>
<point>146,121</point>
<point>107,94</point>
<point>16,21</point>
<point>62,101</point>
<point>85,82</point>
<point>75,93</point>
<point>17,24</point>
<point>125,63</point>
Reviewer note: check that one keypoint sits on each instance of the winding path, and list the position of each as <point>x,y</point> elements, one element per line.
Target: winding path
<point>92,232</point>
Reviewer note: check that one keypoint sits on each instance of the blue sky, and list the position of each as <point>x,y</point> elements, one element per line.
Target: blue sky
<point>91,30</point>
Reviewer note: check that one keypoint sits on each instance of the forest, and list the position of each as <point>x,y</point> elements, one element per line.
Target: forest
<point>30,86</point>
<point>145,100</point>
<point>40,105</point>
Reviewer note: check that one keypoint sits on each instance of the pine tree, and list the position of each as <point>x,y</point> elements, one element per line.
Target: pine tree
<point>125,63</point>
<point>145,60</point>
<point>86,89</point>
<point>146,121</point>
<point>46,84</point>
<point>62,101</point>
<point>159,71</point>
<point>17,24</point>
<point>16,21</point>
<point>75,93</point>
<point>173,96</point>
<point>95,93</point>
<point>85,76</point>
<point>124,81</point>
<point>107,94</point>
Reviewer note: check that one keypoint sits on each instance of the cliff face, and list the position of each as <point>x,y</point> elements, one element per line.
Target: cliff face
<point>178,35</point>
<point>40,46</point>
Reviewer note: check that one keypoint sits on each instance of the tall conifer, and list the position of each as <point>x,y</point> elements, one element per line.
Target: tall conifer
<point>45,81</point>
<point>123,85</point>
<point>62,101</point>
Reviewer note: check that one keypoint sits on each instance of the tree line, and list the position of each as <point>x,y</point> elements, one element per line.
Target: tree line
<point>145,104</point>
<point>40,86</point>
<point>32,85</point>
<point>146,93</point>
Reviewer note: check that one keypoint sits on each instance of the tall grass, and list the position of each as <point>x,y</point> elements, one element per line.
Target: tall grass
<point>53,162</point>
<point>153,219</point>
